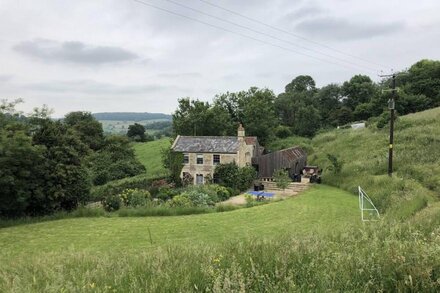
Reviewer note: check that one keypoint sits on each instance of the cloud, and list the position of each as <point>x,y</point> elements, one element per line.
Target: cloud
<point>5,78</point>
<point>341,29</point>
<point>180,75</point>
<point>98,88</point>
<point>73,52</point>
<point>303,12</point>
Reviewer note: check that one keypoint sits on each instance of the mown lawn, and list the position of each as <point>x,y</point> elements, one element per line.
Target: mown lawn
<point>313,242</point>
<point>150,155</point>
<point>320,210</point>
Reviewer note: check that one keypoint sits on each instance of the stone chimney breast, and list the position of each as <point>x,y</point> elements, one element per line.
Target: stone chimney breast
<point>240,131</point>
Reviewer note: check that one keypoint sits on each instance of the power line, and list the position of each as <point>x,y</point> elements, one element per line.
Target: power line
<point>242,35</point>
<point>292,34</point>
<point>271,36</point>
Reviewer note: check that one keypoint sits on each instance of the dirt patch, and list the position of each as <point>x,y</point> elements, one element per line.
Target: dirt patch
<point>235,200</point>
<point>278,194</point>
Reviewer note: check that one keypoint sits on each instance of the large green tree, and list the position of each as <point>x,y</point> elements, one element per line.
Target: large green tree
<point>21,172</point>
<point>67,181</point>
<point>359,89</point>
<point>297,106</point>
<point>89,129</point>
<point>194,117</point>
<point>328,100</point>
<point>115,160</point>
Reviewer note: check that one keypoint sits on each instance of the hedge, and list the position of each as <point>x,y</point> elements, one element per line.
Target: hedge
<point>117,186</point>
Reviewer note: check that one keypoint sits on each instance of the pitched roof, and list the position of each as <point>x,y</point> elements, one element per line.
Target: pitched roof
<point>206,144</point>
<point>250,140</point>
<point>209,144</point>
<point>282,157</point>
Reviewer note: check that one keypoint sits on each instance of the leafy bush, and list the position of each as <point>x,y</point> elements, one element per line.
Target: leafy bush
<point>249,199</point>
<point>222,192</point>
<point>246,176</point>
<point>117,186</point>
<point>180,201</point>
<point>116,160</point>
<point>336,164</point>
<point>233,191</point>
<point>281,178</point>
<point>156,185</point>
<point>167,192</point>
<point>282,131</point>
<point>112,203</point>
<point>230,175</point>
<point>198,198</point>
<point>135,197</point>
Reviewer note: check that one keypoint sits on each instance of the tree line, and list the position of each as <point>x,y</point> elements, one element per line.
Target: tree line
<point>49,165</point>
<point>303,108</point>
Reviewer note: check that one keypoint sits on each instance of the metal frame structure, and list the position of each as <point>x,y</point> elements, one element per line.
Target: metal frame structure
<point>363,196</point>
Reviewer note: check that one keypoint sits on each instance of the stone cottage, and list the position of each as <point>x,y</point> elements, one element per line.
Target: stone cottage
<point>202,153</point>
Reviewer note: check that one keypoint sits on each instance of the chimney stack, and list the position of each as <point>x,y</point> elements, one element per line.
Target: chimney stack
<point>240,131</point>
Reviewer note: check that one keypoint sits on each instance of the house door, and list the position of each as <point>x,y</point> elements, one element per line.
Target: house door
<point>199,179</point>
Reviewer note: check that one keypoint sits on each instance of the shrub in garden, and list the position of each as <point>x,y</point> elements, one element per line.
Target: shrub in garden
<point>135,197</point>
<point>209,191</point>
<point>156,186</point>
<point>281,178</point>
<point>227,174</point>
<point>180,201</point>
<point>247,175</point>
<point>232,191</point>
<point>230,175</point>
<point>222,192</point>
<point>112,203</point>
<point>98,193</point>
<point>198,198</point>
<point>167,192</point>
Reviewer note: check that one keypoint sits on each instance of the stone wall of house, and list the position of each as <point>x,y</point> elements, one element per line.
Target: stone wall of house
<point>245,154</point>
<point>208,167</point>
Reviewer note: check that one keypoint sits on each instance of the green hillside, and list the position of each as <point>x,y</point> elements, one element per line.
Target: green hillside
<point>150,155</point>
<point>313,242</point>
<point>121,126</point>
<point>364,153</point>
<point>131,116</point>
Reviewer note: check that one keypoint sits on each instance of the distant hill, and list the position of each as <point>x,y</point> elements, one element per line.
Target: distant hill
<point>131,116</point>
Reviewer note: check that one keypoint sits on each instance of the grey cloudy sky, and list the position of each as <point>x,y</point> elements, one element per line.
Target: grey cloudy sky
<point>122,55</point>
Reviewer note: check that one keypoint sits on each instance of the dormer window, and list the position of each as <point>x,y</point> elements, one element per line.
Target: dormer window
<point>199,159</point>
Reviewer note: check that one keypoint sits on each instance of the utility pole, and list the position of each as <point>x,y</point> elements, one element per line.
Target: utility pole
<point>391,106</point>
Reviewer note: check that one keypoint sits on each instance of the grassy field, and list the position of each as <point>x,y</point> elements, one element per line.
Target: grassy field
<point>313,242</point>
<point>364,153</point>
<point>121,127</point>
<point>310,243</point>
<point>319,210</point>
<point>149,154</point>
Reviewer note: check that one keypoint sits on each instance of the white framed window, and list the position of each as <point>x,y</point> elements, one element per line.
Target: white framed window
<point>199,159</point>
<point>199,179</point>
<point>215,159</point>
<point>185,159</point>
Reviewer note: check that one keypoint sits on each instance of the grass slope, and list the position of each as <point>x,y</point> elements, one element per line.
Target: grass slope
<point>149,154</point>
<point>364,153</point>
<point>318,211</point>
<point>298,245</point>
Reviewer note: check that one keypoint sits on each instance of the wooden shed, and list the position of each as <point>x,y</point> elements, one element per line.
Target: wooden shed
<point>292,159</point>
